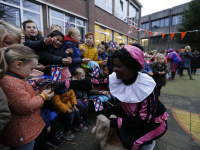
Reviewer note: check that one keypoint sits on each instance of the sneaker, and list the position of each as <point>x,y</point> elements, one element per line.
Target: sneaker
<point>84,123</point>
<point>68,136</point>
<point>172,79</point>
<point>81,128</point>
<point>53,142</point>
<point>88,121</point>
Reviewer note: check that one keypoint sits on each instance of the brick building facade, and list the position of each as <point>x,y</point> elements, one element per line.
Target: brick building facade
<point>106,18</point>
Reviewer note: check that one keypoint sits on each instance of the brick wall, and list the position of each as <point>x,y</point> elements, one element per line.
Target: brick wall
<point>88,9</point>
<point>75,6</point>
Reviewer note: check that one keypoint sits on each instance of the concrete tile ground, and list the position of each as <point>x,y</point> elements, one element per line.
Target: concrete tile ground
<point>179,95</point>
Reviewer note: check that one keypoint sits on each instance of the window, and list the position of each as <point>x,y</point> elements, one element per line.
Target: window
<point>120,38</point>
<point>131,40</point>
<point>60,18</point>
<point>155,24</point>
<point>17,11</point>
<point>144,42</point>
<point>145,26</point>
<point>166,22</point>
<point>176,19</point>
<point>104,4</point>
<point>102,34</point>
<point>133,15</point>
<point>10,14</point>
<point>121,9</point>
<point>160,23</point>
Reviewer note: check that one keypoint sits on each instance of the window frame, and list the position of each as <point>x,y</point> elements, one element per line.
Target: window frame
<point>134,23</point>
<point>119,16</point>
<point>178,20</point>
<point>106,5</point>
<point>120,37</point>
<point>64,20</point>
<point>143,42</point>
<point>21,9</point>
<point>100,32</point>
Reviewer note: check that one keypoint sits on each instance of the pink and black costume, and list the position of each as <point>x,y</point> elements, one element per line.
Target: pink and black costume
<point>141,117</point>
<point>176,60</point>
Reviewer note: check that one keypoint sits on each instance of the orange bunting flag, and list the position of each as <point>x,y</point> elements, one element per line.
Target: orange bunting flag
<point>151,33</point>
<point>163,34</point>
<point>172,35</point>
<point>182,35</point>
<point>145,32</point>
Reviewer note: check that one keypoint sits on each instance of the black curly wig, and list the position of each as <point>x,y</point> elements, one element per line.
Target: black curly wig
<point>124,56</point>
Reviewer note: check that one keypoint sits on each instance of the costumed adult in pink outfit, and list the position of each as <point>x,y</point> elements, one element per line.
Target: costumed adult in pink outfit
<point>141,117</point>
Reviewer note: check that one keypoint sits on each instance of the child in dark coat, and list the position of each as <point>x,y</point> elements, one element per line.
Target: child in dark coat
<point>33,36</point>
<point>34,39</point>
<point>159,71</point>
<point>54,53</point>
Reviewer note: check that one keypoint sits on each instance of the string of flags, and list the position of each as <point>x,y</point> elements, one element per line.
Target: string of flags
<point>156,33</point>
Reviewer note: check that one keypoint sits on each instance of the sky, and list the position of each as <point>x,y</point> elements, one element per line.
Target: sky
<point>152,6</point>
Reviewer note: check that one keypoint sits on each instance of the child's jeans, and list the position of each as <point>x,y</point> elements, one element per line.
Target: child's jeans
<point>28,146</point>
<point>69,118</point>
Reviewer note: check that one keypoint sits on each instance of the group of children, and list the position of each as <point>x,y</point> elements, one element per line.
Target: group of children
<point>25,53</point>
<point>27,56</point>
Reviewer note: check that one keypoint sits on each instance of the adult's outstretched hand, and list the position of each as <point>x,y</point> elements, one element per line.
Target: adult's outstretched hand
<point>72,84</point>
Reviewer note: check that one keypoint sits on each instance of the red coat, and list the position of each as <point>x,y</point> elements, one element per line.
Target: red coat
<point>26,122</point>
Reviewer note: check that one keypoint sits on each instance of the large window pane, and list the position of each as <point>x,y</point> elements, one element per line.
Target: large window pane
<point>57,14</point>
<point>105,4</point>
<point>174,20</point>
<point>10,15</point>
<point>108,32</point>
<point>116,34</point>
<point>108,38</point>
<point>58,22</point>
<point>97,40</point>
<point>15,2</point>
<point>147,26</point>
<point>80,22</point>
<point>31,6</point>
<point>121,9</point>
<point>33,16</point>
<point>162,23</point>
<point>103,30</point>
<point>155,24</point>
<point>166,22</point>
<point>103,37</point>
<point>116,40</point>
<point>82,32</point>
<point>69,18</point>
<point>96,27</point>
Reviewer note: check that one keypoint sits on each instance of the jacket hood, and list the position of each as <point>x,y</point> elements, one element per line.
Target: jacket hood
<point>67,38</point>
